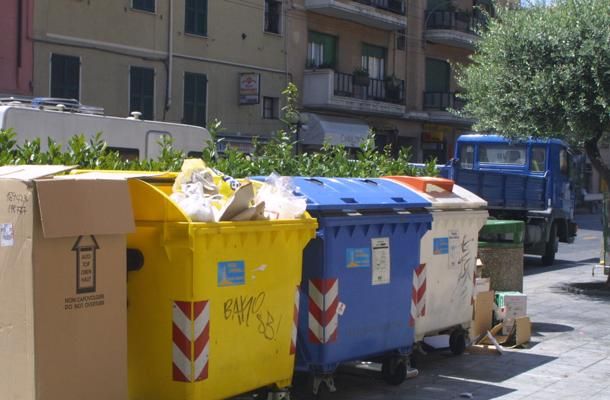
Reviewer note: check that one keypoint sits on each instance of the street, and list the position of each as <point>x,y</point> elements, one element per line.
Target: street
<point>568,356</point>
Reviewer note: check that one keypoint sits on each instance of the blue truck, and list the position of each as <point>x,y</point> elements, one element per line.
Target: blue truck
<point>527,180</point>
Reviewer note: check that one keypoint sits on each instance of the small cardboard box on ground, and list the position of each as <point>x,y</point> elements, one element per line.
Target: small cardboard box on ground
<point>63,329</point>
<point>511,305</point>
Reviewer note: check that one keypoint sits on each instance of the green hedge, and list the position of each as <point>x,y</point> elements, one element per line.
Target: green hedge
<point>277,155</point>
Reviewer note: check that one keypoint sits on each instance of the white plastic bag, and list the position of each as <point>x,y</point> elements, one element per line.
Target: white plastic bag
<point>279,198</point>
<point>195,203</point>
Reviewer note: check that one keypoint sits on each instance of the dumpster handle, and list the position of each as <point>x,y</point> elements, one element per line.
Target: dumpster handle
<point>314,180</point>
<point>369,181</point>
<point>135,260</point>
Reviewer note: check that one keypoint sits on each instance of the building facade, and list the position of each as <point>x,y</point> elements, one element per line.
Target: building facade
<point>359,64</point>
<point>409,50</point>
<point>187,61</point>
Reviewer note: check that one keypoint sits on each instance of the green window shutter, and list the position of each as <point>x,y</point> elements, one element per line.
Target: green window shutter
<point>373,51</point>
<point>142,87</point>
<point>196,17</point>
<point>65,76</point>
<point>195,99</point>
<point>438,75</point>
<point>329,44</point>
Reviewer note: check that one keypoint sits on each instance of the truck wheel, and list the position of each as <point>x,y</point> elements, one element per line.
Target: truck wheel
<point>548,258</point>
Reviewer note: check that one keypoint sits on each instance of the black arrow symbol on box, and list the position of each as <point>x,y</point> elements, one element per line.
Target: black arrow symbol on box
<point>84,247</point>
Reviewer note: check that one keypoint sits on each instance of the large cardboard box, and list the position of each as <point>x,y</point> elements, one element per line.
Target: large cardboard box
<point>483,314</point>
<point>63,316</point>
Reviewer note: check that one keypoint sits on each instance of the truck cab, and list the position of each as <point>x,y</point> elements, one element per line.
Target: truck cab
<point>528,180</point>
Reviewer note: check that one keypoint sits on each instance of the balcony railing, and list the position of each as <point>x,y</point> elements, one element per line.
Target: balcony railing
<point>454,20</point>
<point>395,6</point>
<point>441,101</point>
<point>377,89</point>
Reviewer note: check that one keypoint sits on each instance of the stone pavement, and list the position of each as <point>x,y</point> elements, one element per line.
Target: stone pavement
<point>568,356</point>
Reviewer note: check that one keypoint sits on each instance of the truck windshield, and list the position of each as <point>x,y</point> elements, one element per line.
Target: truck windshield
<point>502,154</point>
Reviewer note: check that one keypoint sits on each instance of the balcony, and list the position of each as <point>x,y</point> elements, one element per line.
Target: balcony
<point>441,101</point>
<point>328,89</point>
<point>381,14</point>
<point>437,104</point>
<point>452,28</point>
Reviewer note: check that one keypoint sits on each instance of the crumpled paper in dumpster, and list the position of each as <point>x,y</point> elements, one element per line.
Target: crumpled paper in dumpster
<point>207,195</point>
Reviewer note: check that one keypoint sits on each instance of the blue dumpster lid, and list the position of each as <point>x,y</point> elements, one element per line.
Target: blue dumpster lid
<point>356,194</point>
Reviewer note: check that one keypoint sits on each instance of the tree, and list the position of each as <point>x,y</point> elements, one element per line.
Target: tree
<point>544,71</point>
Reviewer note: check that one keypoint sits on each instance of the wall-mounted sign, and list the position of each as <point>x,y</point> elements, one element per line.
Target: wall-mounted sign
<point>249,88</point>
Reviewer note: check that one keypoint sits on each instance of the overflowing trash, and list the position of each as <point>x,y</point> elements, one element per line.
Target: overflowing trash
<point>207,195</point>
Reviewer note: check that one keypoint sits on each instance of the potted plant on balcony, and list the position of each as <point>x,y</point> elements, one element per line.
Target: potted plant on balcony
<point>392,87</point>
<point>360,77</point>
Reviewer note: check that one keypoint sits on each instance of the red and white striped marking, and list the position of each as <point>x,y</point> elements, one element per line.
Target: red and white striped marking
<point>322,314</point>
<point>418,294</point>
<point>295,321</point>
<point>190,340</point>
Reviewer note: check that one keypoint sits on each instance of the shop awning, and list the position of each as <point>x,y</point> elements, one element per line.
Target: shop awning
<point>320,129</point>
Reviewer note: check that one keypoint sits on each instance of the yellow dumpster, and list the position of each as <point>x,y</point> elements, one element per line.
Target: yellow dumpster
<point>212,307</point>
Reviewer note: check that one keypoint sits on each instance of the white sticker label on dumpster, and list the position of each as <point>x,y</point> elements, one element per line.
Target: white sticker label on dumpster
<point>455,251</point>
<point>381,260</point>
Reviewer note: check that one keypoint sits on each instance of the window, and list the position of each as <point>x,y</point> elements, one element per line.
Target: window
<point>126,153</point>
<point>501,154</point>
<point>538,159</point>
<point>467,156</point>
<point>321,50</point>
<point>438,76</point>
<point>273,16</point>
<point>564,165</point>
<point>144,5</point>
<point>65,77</point>
<point>271,107</point>
<point>401,39</point>
<point>195,99</point>
<point>196,17</point>
<point>142,91</point>
<point>373,60</point>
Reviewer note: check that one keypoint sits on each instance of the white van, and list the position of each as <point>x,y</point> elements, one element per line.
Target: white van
<point>61,119</point>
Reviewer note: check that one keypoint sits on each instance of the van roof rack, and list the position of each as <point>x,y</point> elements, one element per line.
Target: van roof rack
<point>25,101</point>
<point>50,103</point>
<point>56,104</point>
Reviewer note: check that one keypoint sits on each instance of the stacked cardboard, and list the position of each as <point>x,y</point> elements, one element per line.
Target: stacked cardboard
<point>62,285</point>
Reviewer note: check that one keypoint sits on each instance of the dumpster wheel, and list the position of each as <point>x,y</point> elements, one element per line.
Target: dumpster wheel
<point>457,342</point>
<point>394,370</point>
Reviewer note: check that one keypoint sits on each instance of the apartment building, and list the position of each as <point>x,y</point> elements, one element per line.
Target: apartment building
<point>407,48</point>
<point>352,71</point>
<point>359,64</point>
<point>448,31</point>
<point>187,61</point>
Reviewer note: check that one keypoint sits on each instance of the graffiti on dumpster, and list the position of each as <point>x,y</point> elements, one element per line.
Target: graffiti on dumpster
<point>250,309</point>
<point>465,263</point>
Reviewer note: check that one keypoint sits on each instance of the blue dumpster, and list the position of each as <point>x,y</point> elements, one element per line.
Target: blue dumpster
<point>357,275</point>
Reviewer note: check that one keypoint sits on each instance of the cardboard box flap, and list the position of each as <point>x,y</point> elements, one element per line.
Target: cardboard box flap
<point>74,207</point>
<point>114,175</point>
<point>31,172</point>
